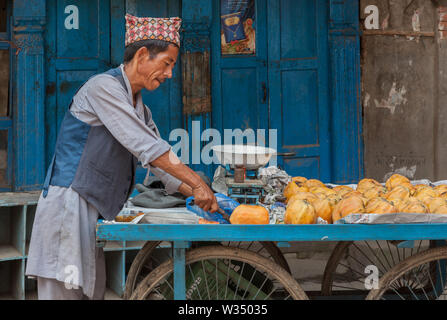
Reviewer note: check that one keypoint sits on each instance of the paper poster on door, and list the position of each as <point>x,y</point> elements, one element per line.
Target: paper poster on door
<point>238,27</point>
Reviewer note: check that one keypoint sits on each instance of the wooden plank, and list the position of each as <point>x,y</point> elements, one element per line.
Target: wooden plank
<point>9,252</point>
<point>113,246</point>
<point>343,232</point>
<point>18,227</point>
<point>196,82</point>
<point>10,199</point>
<point>115,273</point>
<point>134,245</point>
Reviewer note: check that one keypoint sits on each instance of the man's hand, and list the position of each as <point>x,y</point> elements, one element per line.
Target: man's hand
<point>204,198</point>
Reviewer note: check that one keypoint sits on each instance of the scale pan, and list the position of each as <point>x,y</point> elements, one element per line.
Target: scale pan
<point>250,157</point>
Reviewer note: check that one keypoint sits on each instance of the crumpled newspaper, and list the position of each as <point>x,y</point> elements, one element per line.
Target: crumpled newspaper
<point>274,180</point>
<point>219,184</point>
<point>276,211</point>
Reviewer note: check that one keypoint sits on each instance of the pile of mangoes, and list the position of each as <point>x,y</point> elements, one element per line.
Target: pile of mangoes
<point>308,199</point>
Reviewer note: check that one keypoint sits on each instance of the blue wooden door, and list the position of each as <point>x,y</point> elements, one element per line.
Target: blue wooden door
<point>239,81</point>
<point>282,87</point>
<point>298,85</point>
<point>77,47</point>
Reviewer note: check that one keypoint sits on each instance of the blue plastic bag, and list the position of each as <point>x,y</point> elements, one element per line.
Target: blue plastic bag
<point>225,203</point>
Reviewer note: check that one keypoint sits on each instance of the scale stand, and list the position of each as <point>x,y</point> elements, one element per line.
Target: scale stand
<point>248,192</point>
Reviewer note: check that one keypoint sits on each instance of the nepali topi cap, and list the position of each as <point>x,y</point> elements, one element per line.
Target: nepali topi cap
<point>139,28</point>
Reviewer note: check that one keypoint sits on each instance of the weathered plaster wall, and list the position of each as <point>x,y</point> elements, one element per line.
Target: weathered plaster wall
<point>404,89</point>
<point>441,141</point>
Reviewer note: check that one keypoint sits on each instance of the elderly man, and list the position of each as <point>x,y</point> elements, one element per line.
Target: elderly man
<point>106,129</point>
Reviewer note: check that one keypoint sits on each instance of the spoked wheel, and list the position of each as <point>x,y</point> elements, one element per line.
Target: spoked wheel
<point>220,273</point>
<point>420,277</point>
<point>346,269</point>
<point>148,258</point>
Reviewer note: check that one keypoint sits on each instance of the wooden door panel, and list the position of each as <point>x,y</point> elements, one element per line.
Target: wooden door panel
<point>298,73</point>
<point>305,167</point>
<point>83,41</point>
<point>240,99</point>
<point>75,52</point>
<point>68,82</point>
<point>298,38</point>
<point>299,115</point>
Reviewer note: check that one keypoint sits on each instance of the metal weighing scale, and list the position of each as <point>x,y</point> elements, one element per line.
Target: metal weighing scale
<point>241,163</point>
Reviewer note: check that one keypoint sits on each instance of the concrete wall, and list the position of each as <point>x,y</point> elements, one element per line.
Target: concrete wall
<point>404,90</point>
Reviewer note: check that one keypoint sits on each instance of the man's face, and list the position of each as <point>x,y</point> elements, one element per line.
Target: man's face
<point>155,71</point>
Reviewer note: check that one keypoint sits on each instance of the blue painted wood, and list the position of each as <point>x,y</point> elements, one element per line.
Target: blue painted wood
<point>179,270</point>
<point>115,271</point>
<point>334,232</point>
<point>73,56</point>
<point>197,17</point>
<point>118,31</point>
<point>298,83</point>
<point>195,125</point>
<point>344,45</point>
<point>283,244</point>
<point>239,81</point>
<point>6,123</point>
<point>29,94</point>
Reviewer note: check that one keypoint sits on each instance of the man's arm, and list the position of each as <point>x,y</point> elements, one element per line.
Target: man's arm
<point>203,196</point>
<point>185,190</point>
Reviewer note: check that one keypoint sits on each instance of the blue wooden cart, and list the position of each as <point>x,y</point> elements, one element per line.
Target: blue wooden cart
<point>398,272</point>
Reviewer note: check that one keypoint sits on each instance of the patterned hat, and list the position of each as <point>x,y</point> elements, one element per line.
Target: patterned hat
<point>138,28</point>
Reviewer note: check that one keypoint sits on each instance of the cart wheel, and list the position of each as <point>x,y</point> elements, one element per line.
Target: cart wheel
<point>220,273</point>
<point>145,261</point>
<point>345,269</point>
<point>420,277</point>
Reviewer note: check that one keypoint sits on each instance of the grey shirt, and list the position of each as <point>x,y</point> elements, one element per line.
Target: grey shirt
<point>63,238</point>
